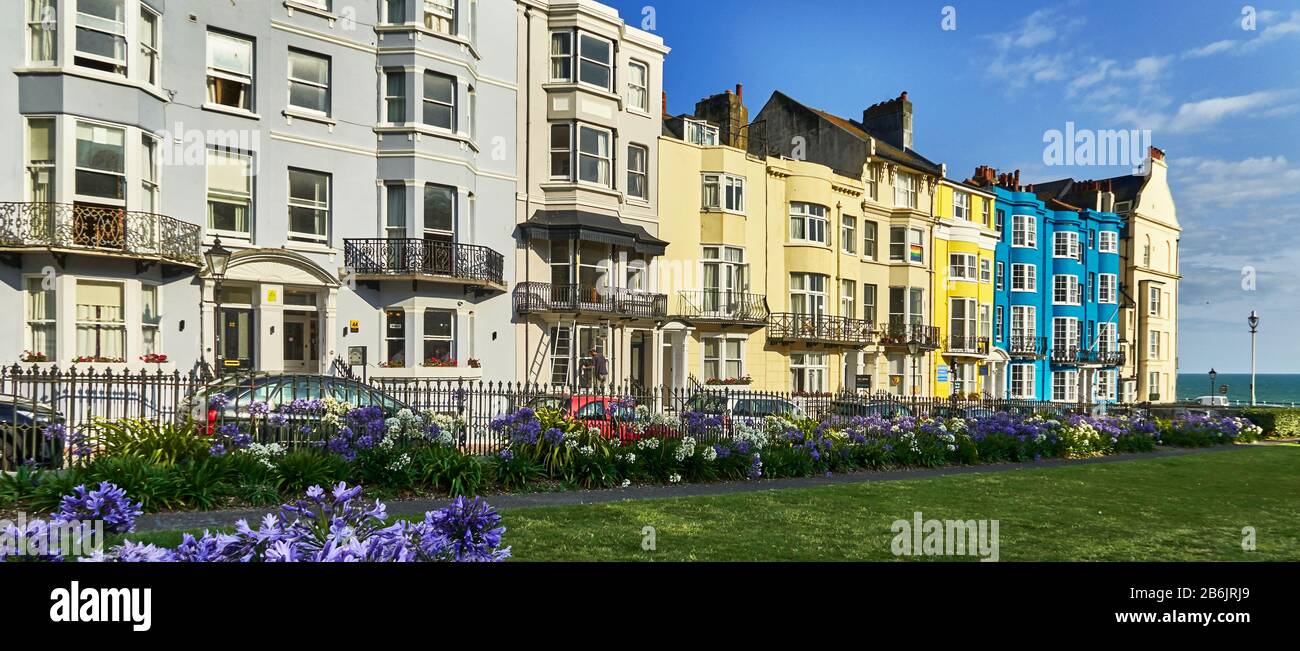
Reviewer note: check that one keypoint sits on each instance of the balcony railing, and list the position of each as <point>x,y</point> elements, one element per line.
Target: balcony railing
<point>901,334</point>
<point>1073,355</point>
<point>962,345</point>
<point>616,301</point>
<point>100,229</point>
<point>415,258</point>
<point>820,328</point>
<point>1065,354</point>
<point>1023,347</point>
<point>722,307</point>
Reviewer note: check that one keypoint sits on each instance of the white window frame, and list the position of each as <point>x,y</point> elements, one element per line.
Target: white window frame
<point>638,94</point>
<point>962,266</point>
<point>1107,336</point>
<point>642,174</point>
<point>223,196</point>
<point>150,52</point>
<point>44,27</point>
<point>99,25</point>
<point>906,189</point>
<point>426,101</point>
<point>986,271</point>
<point>605,164</point>
<point>565,151</point>
<point>848,298</point>
<point>1029,277</point>
<point>1066,333</point>
<point>1106,288</point>
<point>293,81</point>
<point>1154,307</point>
<point>582,57</point>
<point>395,101</point>
<point>811,219</point>
<point>1108,242</point>
<point>1065,386</point>
<point>32,322</point>
<point>807,288</point>
<point>426,336</point>
<point>722,358</point>
<point>1065,244</point>
<point>724,192</point>
<point>310,204</point>
<point>870,239</point>
<point>961,205</point>
<point>1065,290</point>
<point>118,325</point>
<point>700,133</point>
<point>998,281</point>
<point>436,12</point>
<point>122,174</point>
<point>1153,344</point>
<point>1024,231</point>
<point>561,56</point>
<point>849,234</point>
<point>1024,322</point>
<point>1026,376</point>
<point>151,326</point>
<point>248,79</point>
<point>809,370</point>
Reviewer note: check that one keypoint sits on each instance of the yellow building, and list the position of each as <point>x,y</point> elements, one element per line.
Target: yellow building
<point>965,245</point>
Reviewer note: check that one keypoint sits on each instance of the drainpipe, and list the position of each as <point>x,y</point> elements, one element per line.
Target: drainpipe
<point>528,140</point>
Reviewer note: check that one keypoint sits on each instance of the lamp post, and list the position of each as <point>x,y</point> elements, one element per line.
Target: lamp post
<point>218,258</point>
<point>1253,322</point>
<point>914,347</point>
<point>1213,374</point>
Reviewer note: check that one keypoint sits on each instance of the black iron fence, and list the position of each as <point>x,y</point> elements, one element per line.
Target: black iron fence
<point>35,402</point>
<point>378,257</point>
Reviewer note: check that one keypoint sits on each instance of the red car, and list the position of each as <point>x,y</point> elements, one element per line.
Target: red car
<point>614,416</point>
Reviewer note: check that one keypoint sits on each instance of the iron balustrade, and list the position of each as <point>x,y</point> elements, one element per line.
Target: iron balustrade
<point>1027,346</point>
<point>575,298</point>
<point>100,229</point>
<point>722,306</point>
<point>420,257</point>
<point>1102,357</point>
<point>963,345</point>
<point>1065,354</point>
<point>902,334</point>
<point>821,328</point>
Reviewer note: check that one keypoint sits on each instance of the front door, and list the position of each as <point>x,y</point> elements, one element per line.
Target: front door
<point>235,351</point>
<point>300,343</point>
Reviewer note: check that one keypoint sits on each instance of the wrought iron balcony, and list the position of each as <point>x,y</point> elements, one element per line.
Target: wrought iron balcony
<point>902,334</point>
<point>71,228</point>
<point>820,328</point>
<point>577,299</point>
<point>961,345</point>
<point>1101,357</point>
<point>1027,347</point>
<point>720,306</point>
<point>420,259</point>
<point>1066,354</point>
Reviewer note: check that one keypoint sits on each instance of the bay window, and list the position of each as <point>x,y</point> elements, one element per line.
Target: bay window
<point>394,12</point>
<point>1024,277</point>
<point>961,266</point>
<point>562,152</point>
<point>1024,325</point>
<point>1065,289</point>
<point>309,205</point>
<point>869,235</point>
<point>1022,381</point>
<point>595,61</point>
<point>595,155</point>
<point>42,31</point>
<point>1024,231</point>
<point>101,162</point>
<point>395,96</point>
<point>395,211</point>
<point>101,327</point>
<point>1065,334</point>
<point>42,332</point>
<point>440,16</point>
<point>40,156</point>
<point>395,337</point>
<point>150,319</point>
<point>723,192</point>
<point>961,205</point>
<point>808,372</point>
<point>808,222</point>
<point>440,101</point>
<point>808,294</point>
<point>1108,242</point>
<point>561,56</point>
<point>150,52</point>
<point>1065,386</point>
<point>101,35</point>
<point>149,201</point>
<point>1066,245</point>
<point>439,335</point>
<point>1106,284</point>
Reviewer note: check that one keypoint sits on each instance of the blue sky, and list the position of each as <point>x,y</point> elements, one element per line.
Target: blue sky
<point>1221,99</point>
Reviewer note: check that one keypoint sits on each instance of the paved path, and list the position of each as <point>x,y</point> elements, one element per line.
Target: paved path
<point>184,520</point>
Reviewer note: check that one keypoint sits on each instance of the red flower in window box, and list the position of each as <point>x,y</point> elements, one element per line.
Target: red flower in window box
<point>436,362</point>
<point>154,358</point>
<point>29,356</point>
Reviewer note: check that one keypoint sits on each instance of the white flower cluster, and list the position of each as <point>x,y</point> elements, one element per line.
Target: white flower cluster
<point>586,450</point>
<point>686,449</point>
<point>757,438</point>
<point>570,443</point>
<point>627,482</point>
<point>629,457</point>
<point>664,420</point>
<point>710,453</point>
<point>674,478</point>
<point>400,464</point>
<point>647,444</point>
<point>445,422</point>
<point>266,454</point>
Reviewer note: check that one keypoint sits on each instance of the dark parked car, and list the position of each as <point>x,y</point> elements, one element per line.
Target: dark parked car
<point>849,408</point>
<point>22,434</point>
<point>956,411</point>
<point>277,390</point>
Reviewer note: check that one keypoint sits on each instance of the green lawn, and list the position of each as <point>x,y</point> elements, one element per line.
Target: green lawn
<point>1169,509</point>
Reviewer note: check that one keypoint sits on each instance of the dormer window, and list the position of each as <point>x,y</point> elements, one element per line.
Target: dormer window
<point>701,133</point>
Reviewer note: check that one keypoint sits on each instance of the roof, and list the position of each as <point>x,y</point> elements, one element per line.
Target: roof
<point>1078,193</point>
<point>907,157</point>
<point>591,227</point>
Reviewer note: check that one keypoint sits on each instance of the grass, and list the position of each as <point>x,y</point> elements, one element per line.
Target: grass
<point>1187,508</point>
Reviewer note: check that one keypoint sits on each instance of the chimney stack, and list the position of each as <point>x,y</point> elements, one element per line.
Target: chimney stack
<point>891,121</point>
<point>665,102</point>
<point>727,111</point>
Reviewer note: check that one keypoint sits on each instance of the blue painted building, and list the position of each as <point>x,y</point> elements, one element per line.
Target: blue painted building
<point>1056,294</point>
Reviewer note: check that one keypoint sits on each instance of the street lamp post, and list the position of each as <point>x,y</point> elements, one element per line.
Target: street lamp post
<point>1253,322</point>
<point>913,348</point>
<point>218,258</point>
<point>1213,375</point>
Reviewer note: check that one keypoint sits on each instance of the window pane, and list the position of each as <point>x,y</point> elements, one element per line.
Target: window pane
<point>439,207</point>
<point>230,54</point>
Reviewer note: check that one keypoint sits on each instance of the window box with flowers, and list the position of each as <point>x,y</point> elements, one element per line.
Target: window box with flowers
<point>86,359</point>
<point>730,381</point>
<point>437,362</point>
<point>31,357</point>
<point>154,358</point>
<point>474,363</point>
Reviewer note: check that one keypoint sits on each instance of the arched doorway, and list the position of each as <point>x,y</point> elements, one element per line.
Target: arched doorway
<point>277,314</point>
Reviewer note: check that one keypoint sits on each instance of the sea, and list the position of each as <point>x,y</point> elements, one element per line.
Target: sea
<point>1272,388</point>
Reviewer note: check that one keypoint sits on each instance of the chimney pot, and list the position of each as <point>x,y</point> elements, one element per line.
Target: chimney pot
<point>740,91</point>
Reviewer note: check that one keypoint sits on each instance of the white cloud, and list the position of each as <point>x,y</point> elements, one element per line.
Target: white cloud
<point>1213,181</point>
<point>1196,116</point>
<point>1211,49</point>
<point>1271,32</point>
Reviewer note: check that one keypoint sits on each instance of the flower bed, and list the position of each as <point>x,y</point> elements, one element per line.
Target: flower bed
<point>177,466</point>
<point>323,527</point>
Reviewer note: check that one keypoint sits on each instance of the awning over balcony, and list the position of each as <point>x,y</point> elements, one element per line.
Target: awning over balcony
<point>591,227</point>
